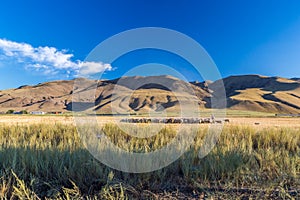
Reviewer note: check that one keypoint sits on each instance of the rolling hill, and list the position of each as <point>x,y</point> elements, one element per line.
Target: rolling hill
<point>261,93</point>
<point>155,93</point>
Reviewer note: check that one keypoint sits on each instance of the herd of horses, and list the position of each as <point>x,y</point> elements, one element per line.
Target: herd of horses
<point>175,120</point>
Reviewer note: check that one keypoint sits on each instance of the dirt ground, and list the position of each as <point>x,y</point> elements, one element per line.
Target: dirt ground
<point>255,121</point>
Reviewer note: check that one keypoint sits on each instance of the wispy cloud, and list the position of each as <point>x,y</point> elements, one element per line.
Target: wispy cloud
<point>47,60</point>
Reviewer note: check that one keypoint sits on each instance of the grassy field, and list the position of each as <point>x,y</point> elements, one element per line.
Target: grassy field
<point>49,161</point>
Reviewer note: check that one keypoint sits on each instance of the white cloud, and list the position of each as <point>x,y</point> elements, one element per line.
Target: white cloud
<point>48,60</point>
<point>87,68</point>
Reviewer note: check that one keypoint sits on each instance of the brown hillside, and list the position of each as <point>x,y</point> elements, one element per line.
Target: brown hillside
<point>155,94</point>
<point>260,93</point>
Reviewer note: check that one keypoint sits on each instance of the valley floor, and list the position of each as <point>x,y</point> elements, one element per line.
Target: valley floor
<point>69,119</point>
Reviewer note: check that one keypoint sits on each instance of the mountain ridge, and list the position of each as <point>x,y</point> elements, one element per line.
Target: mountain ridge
<point>157,93</point>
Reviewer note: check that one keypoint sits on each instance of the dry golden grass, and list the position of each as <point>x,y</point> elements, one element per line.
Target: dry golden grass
<point>34,119</point>
<point>68,119</point>
<point>49,161</point>
<point>266,121</point>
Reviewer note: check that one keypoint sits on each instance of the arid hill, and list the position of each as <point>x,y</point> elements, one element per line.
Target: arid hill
<point>296,79</point>
<point>261,93</point>
<point>155,93</point>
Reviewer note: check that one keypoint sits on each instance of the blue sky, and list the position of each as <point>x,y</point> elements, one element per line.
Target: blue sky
<point>49,40</point>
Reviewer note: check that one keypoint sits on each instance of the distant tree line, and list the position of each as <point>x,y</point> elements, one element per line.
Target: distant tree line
<point>14,112</point>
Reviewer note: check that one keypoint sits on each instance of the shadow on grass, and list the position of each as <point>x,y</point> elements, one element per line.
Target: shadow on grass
<point>47,171</point>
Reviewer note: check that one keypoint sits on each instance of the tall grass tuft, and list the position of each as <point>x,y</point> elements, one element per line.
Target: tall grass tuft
<point>50,161</point>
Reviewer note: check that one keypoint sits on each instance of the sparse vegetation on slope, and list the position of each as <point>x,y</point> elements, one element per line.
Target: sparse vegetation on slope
<point>154,93</point>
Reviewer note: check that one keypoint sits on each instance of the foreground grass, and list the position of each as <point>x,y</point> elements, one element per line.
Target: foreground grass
<point>49,161</point>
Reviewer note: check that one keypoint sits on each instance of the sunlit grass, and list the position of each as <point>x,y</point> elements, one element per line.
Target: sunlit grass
<point>39,161</point>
